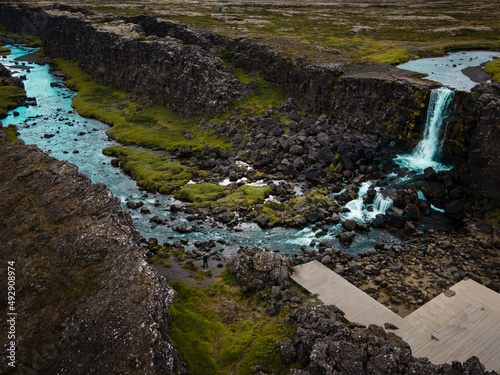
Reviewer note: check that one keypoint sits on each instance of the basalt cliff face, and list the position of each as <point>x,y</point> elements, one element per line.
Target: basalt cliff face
<point>484,148</point>
<point>86,301</point>
<point>179,67</point>
<point>178,73</point>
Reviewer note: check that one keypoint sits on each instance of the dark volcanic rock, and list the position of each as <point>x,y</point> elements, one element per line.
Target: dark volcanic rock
<point>255,262</point>
<point>87,301</point>
<point>166,70</point>
<point>484,156</point>
<point>434,190</point>
<point>326,345</point>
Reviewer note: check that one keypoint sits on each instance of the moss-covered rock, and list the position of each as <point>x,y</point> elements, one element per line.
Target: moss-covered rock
<point>151,171</point>
<point>201,194</point>
<point>11,133</point>
<point>243,196</point>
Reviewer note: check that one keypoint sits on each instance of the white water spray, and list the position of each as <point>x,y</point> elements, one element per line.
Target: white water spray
<point>428,150</point>
<point>362,212</point>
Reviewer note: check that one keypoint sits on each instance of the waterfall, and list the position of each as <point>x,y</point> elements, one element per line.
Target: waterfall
<point>362,212</point>
<point>430,147</point>
<point>381,204</point>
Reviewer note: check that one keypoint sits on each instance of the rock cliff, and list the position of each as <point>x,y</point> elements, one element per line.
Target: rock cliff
<point>179,67</point>
<point>86,301</point>
<point>167,62</point>
<point>177,73</point>
<point>484,150</point>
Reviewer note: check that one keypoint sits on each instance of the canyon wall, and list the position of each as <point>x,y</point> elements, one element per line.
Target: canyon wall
<point>86,300</point>
<point>179,67</point>
<point>484,143</point>
<point>181,75</point>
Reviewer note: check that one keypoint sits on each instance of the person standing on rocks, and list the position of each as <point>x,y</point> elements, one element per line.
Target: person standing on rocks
<point>424,251</point>
<point>205,261</point>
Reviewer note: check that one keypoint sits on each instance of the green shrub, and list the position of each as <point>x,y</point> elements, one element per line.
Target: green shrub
<point>190,266</point>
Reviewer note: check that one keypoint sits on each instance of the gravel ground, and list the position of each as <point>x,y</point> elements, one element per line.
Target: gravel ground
<point>177,273</point>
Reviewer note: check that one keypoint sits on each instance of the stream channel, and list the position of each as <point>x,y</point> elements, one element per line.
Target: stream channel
<point>58,130</point>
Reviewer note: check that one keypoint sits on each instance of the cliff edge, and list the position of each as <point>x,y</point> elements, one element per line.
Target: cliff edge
<point>86,301</point>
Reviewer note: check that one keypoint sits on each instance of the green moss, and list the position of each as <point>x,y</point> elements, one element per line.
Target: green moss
<point>150,170</point>
<point>11,133</point>
<point>225,55</point>
<point>134,122</point>
<point>10,98</point>
<point>244,196</point>
<point>199,276</point>
<point>392,56</point>
<point>202,194</point>
<point>4,51</point>
<point>493,68</point>
<point>227,277</point>
<point>312,197</point>
<point>104,20</point>
<point>264,96</point>
<point>211,345</point>
<point>189,266</point>
<point>263,349</point>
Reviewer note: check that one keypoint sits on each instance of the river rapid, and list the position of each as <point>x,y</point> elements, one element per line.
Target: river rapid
<point>55,127</point>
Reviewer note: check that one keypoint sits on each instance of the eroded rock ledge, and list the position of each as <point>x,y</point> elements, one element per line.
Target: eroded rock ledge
<point>86,300</point>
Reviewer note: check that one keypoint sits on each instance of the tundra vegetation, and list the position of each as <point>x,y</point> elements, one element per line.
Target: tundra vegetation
<point>219,331</point>
<point>389,32</point>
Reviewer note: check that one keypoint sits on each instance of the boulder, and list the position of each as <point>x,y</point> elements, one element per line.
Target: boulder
<point>378,221</point>
<point>394,216</point>
<point>254,261</point>
<point>325,154</point>
<point>434,190</point>
<point>349,225</point>
<point>414,211</point>
<point>454,208</point>
<point>347,237</point>
<point>335,219</point>
<point>430,174</point>
<point>327,259</point>
<point>290,170</point>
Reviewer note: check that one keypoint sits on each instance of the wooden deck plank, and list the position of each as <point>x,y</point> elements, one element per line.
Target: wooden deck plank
<point>466,324</point>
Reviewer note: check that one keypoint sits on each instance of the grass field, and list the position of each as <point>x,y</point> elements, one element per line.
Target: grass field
<point>389,31</point>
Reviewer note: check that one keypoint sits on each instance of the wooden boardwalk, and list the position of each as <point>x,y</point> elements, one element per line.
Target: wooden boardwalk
<point>444,329</point>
